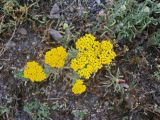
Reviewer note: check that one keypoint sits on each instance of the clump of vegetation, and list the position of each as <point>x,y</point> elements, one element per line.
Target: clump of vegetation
<point>15,12</point>
<point>4,110</point>
<point>115,81</point>
<point>12,13</point>
<point>154,39</point>
<point>37,110</point>
<point>7,108</point>
<point>157,74</point>
<point>128,18</point>
<point>79,114</point>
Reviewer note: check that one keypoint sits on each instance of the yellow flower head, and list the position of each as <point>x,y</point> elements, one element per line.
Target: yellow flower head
<point>106,45</point>
<point>92,55</point>
<point>85,42</point>
<point>34,72</point>
<point>78,87</point>
<point>56,57</point>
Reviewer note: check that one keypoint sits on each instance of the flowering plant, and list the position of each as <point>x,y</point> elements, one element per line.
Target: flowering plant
<point>55,58</point>
<point>92,55</point>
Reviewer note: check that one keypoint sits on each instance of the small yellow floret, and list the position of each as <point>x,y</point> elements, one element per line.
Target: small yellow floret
<point>34,72</point>
<point>78,87</point>
<point>56,57</point>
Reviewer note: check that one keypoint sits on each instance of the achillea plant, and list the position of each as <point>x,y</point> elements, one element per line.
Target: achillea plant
<point>92,55</point>
<point>34,72</point>
<point>78,87</point>
<point>56,57</point>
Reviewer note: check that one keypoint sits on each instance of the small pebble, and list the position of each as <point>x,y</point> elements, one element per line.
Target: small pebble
<point>22,31</point>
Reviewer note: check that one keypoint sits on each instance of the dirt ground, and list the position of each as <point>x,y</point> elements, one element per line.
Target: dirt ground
<point>141,97</point>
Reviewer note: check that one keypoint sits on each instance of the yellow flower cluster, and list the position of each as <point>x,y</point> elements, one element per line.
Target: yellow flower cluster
<point>78,87</point>
<point>56,57</point>
<point>91,55</point>
<point>34,72</point>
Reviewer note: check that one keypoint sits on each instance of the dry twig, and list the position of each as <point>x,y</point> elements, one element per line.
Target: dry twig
<point>3,49</point>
